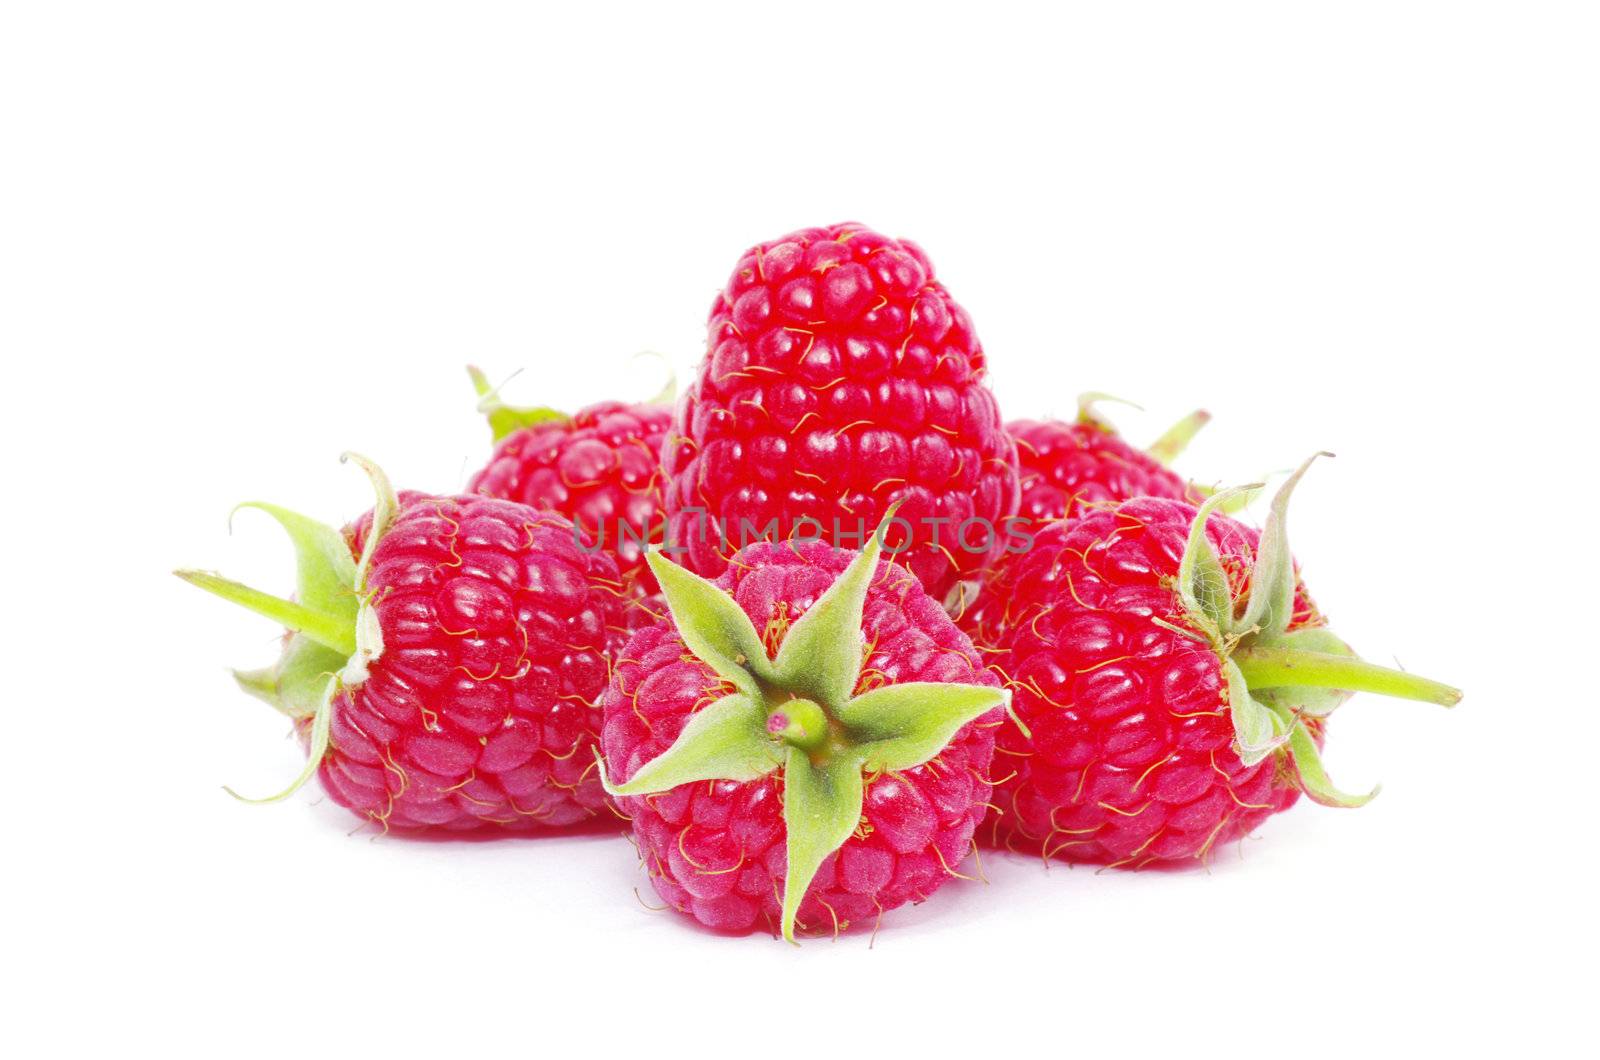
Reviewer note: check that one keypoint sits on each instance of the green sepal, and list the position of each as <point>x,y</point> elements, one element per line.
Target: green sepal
<point>328,606</point>
<point>820,657</point>
<point>335,633</point>
<point>321,722</point>
<point>369,645</point>
<point>713,625</point>
<point>325,573</point>
<point>261,683</point>
<point>1276,677</point>
<point>1272,579</point>
<point>821,809</point>
<point>1313,638</point>
<point>505,419</point>
<point>1236,502</point>
<point>1089,417</point>
<point>1257,729</point>
<point>1290,702</point>
<point>385,506</point>
<point>1313,777</point>
<point>726,740</point>
<point>1175,439</point>
<point>1202,582</point>
<point>902,726</point>
<point>294,684</point>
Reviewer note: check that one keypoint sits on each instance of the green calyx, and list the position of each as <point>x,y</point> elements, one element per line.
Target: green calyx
<point>1175,439</point>
<point>1279,678</point>
<point>1165,449</point>
<point>798,714</point>
<point>505,419</point>
<point>1089,416</point>
<point>334,635</point>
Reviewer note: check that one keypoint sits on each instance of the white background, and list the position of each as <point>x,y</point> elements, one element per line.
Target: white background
<point>238,239</point>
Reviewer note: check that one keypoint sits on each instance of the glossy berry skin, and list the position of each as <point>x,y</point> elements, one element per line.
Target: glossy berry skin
<point>715,850</point>
<point>1131,760</point>
<point>840,376</point>
<point>1068,467</point>
<point>482,710</point>
<point>600,466</point>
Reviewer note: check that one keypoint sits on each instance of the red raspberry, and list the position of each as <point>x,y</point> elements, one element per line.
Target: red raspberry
<point>447,674</point>
<point>1067,467</point>
<point>1173,684</point>
<point>840,378</point>
<point>599,467</point>
<point>728,845</point>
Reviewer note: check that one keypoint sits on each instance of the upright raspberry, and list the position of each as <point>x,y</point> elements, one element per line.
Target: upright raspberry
<point>444,660</point>
<point>1174,679</point>
<point>600,467</point>
<point>1067,467</point>
<point>807,742</point>
<point>840,378</point>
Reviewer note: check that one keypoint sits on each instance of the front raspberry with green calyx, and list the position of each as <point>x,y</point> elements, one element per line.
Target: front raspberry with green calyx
<point>1280,680</point>
<point>800,715</point>
<point>334,632</point>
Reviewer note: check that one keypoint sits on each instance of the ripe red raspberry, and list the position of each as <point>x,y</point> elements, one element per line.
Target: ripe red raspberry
<point>840,755</point>
<point>599,467</point>
<point>1067,467</point>
<point>445,671</point>
<point>1174,683</point>
<point>840,378</point>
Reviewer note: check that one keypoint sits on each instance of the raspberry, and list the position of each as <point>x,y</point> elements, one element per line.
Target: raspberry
<point>599,467</point>
<point>862,730</point>
<point>1067,467</point>
<point>444,673</point>
<point>840,378</point>
<point>1173,678</point>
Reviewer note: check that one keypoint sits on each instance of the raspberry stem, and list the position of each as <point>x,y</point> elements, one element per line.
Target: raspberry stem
<point>799,723</point>
<point>331,631</point>
<point>1277,667</point>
